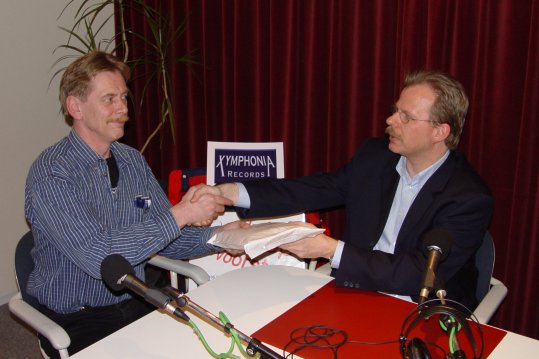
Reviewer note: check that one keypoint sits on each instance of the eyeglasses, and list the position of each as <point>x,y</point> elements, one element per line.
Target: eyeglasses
<point>405,117</point>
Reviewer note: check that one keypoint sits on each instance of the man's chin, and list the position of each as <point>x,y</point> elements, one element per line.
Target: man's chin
<point>393,147</point>
<point>117,135</point>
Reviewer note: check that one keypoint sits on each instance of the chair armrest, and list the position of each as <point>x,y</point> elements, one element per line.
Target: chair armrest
<point>486,309</point>
<point>196,273</point>
<point>39,322</point>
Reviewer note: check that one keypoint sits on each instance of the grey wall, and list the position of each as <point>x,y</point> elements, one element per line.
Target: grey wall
<point>29,111</point>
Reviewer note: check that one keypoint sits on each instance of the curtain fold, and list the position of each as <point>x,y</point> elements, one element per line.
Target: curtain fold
<point>321,76</point>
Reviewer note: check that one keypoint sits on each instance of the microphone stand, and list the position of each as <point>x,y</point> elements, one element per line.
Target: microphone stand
<point>254,346</point>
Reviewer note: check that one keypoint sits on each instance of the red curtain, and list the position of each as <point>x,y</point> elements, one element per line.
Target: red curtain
<point>321,76</point>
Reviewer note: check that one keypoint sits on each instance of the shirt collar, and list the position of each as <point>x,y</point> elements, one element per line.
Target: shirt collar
<point>422,176</point>
<point>89,156</point>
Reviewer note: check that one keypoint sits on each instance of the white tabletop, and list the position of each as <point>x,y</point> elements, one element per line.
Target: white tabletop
<point>250,297</point>
<point>515,346</point>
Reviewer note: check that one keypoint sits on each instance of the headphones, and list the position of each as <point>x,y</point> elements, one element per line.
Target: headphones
<point>452,319</point>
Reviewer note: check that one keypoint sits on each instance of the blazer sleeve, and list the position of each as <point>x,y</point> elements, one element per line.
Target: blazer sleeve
<point>275,197</point>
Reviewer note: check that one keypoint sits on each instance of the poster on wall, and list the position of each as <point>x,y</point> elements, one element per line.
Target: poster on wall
<point>244,161</point>
<point>240,162</point>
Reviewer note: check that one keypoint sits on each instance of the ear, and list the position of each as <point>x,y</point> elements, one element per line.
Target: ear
<point>73,107</point>
<point>441,132</point>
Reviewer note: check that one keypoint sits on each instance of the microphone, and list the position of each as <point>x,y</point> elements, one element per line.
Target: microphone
<point>118,274</point>
<point>436,246</point>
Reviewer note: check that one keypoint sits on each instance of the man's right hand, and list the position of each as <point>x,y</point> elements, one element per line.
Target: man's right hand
<point>226,190</point>
<point>202,211</point>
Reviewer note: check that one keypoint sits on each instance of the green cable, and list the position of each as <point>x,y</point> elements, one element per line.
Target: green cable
<point>451,338</point>
<point>235,337</point>
<point>235,340</point>
<point>454,329</point>
<point>228,354</point>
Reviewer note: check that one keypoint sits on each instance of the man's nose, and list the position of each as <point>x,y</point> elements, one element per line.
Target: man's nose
<point>121,106</point>
<point>392,119</point>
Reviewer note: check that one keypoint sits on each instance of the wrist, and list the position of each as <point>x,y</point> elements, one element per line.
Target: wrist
<point>179,215</point>
<point>230,191</point>
<point>333,250</point>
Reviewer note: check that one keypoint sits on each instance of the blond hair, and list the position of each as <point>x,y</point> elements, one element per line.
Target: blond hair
<point>451,104</point>
<point>77,77</point>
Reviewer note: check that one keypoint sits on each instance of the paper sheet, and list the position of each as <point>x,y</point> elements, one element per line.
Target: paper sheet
<point>263,237</point>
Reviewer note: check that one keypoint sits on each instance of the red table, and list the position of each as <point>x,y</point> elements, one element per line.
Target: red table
<point>367,317</point>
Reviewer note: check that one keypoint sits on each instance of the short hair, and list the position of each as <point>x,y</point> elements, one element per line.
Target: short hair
<point>451,104</point>
<point>77,76</point>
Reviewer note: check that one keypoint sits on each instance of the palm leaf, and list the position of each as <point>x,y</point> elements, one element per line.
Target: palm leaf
<point>162,36</point>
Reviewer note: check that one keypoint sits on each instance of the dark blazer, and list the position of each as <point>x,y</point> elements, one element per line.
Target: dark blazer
<point>455,198</point>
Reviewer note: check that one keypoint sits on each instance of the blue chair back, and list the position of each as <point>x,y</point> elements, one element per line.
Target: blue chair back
<point>484,261</point>
<point>24,265</point>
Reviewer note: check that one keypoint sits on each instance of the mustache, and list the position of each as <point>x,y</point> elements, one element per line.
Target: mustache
<point>391,132</point>
<point>123,119</point>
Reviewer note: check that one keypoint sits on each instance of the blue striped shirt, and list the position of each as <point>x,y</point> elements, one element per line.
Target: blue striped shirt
<point>77,220</point>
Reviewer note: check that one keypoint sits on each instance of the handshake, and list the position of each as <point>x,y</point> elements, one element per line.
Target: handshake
<point>202,204</point>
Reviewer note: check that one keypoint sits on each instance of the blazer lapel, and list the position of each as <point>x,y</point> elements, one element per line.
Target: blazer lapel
<point>390,182</point>
<point>424,200</point>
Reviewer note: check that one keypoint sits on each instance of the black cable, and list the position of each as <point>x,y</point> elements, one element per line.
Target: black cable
<point>319,336</point>
<point>311,336</point>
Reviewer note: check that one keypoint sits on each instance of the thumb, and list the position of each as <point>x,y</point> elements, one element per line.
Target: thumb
<point>245,224</point>
<point>195,193</point>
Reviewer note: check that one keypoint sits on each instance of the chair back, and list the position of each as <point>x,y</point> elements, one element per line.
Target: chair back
<point>180,180</point>
<point>24,265</point>
<point>484,261</point>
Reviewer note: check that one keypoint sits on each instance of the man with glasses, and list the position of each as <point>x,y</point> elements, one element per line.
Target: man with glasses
<point>394,190</point>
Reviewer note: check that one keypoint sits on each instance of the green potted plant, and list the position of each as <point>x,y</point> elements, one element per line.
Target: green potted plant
<point>90,20</point>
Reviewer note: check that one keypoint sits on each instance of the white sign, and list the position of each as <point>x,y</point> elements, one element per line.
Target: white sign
<point>244,161</point>
<point>241,162</point>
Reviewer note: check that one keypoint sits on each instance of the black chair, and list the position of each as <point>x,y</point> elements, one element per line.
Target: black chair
<point>25,306</point>
<point>490,291</point>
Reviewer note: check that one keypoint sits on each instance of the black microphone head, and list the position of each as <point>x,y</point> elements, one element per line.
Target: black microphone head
<point>113,268</point>
<point>440,238</point>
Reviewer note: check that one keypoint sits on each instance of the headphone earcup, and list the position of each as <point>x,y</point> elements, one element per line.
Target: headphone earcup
<point>417,349</point>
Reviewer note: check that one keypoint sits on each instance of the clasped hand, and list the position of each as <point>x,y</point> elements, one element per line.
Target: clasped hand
<point>201,211</point>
